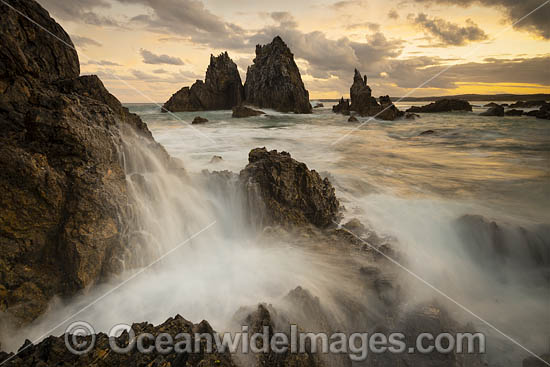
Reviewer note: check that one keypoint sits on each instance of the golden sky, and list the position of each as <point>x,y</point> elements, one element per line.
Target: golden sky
<point>145,50</point>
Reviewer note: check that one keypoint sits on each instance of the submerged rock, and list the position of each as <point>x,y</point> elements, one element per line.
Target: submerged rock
<point>221,90</point>
<point>281,190</point>
<point>353,119</point>
<point>411,116</point>
<point>274,81</point>
<point>242,111</point>
<point>199,120</point>
<point>319,105</point>
<point>427,132</point>
<point>492,104</point>
<point>216,159</point>
<point>443,105</point>
<point>493,111</point>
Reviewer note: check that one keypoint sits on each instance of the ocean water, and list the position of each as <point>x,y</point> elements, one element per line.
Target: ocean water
<point>412,188</point>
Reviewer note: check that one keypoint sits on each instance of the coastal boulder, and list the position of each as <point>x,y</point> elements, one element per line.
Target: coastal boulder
<point>274,81</point>
<point>443,105</point>
<point>243,111</point>
<point>494,111</point>
<point>514,112</point>
<point>281,190</point>
<point>342,107</point>
<point>221,90</point>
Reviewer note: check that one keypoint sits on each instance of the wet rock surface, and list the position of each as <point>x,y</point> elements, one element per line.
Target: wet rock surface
<point>286,191</point>
<point>443,105</point>
<point>274,81</point>
<point>64,206</point>
<point>243,112</point>
<point>199,120</point>
<point>53,352</point>
<point>514,112</point>
<point>342,107</point>
<point>494,111</point>
<point>221,90</point>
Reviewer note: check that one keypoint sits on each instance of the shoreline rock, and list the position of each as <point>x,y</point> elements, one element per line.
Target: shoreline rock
<point>493,111</point>
<point>199,120</point>
<point>243,111</point>
<point>281,190</point>
<point>443,105</point>
<point>274,81</point>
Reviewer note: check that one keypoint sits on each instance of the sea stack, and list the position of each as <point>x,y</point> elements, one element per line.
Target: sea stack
<point>222,89</point>
<point>274,81</point>
<point>364,103</point>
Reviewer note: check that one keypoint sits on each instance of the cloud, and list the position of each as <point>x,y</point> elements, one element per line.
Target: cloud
<point>101,63</point>
<point>514,10</point>
<point>80,11</point>
<point>449,33</point>
<point>375,27</point>
<point>190,20</point>
<point>348,3</point>
<point>151,58</point>
<point>393,14</point>
<point>160,71</point>
<point>284,18</point>
<point>83,42</point>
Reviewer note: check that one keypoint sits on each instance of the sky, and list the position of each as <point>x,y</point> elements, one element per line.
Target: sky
<point>146,50</point>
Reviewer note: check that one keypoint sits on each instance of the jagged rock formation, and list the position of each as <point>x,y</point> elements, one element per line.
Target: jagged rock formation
<point>284,191</point>
<point>274,81</point>
<point>243,111</point>
<point>443,105</point>
<point>493,111</point>
<point>64,199</point>
<point>342,107</point>
<point>364,103</point>
<point>221,90</point>
<point>53,352</point>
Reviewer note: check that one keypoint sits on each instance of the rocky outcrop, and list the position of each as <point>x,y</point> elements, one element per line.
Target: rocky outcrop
<point>492,104</point>
<point>199,120</point>
<point>281,190</point>
<point>443,105</point>
<point>364,103</point>
<point>53,352</point>
<point>221,90</point>
<point>274,81</point>
<point>527,104</point>
<point>493,111</point>
<point>514,112</point>
<point>342,107</point>
<point>64,202</point>
<point>243,111</point>
<point>542,113</point>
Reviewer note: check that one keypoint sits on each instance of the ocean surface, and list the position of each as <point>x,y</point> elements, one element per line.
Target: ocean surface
<point>490,268</point>
<point>415,188</point>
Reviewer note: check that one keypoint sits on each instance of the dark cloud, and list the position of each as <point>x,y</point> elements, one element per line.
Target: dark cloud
<point>514,10</point>
<point>393,14</point>
<point>151,58</point>
<point>190,20</point>
<point>83,42</point>
<point>449,33</point>
<point>79,11</point>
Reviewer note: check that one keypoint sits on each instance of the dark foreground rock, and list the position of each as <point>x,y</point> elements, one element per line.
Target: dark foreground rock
<point>281,190</point>
<point>221,90</point>
<point>64,203</point>
<point>493,111</point>
<point>53,352</point>
<point>443,105</point>
<point>274,81</point>
<point>242,111</point>
<point>199,120</point>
